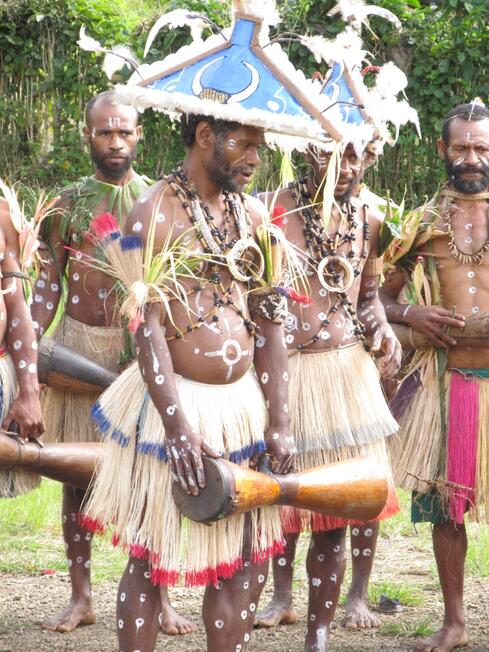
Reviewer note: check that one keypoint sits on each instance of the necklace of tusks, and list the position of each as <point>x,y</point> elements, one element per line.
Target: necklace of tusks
<point>348,273</point>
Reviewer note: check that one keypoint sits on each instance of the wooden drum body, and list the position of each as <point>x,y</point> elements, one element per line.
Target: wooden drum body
<point>65,369</point>
<point>356,490</point>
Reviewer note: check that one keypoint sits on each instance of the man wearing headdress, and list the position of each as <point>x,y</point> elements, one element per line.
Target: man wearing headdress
<point>90,322</point>
<point>336,403</point>
<point>195,357</point>
<point>442,403</point>
<point>20,409</point>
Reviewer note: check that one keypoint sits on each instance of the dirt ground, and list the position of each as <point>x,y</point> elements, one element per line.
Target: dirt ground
<point>26,600</point>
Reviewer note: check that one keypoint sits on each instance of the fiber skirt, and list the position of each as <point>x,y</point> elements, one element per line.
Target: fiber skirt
<point>131,493</point>
<point>66,414</point>
<point>13,482</point>
<point>338,411</point>
<point>444,440</point>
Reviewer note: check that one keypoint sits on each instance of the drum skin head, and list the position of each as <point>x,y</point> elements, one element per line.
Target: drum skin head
<point>214,502</point>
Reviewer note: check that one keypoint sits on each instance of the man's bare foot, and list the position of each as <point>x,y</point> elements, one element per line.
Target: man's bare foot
<point>173,624</point>
<point>78,612</point>
<point>276,614</point>
<point>447,638</point>
<point>359,616</point>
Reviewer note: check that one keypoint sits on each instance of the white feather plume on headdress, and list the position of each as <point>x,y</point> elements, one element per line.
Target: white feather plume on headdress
<point>118,57</point>
<point>264,9</point>
<point>88,43</point>
<point>179,18</point>
<point>390,80</point>
<point>356,13</point>
<point>346,47</point>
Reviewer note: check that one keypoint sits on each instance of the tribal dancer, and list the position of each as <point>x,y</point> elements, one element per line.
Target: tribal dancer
<point>442,454</point>
<point>19,389</point>
<point>336,403</point>
<point>90,322</point>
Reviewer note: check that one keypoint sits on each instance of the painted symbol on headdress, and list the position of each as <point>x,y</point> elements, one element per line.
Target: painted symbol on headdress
<point>222,96</point>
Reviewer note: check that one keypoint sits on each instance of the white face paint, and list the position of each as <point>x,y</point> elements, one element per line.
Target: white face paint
<point>114,121</point>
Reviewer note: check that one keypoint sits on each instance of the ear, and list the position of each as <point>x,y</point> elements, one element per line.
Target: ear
<point>204,136</point>
<point>441,147</point>
<point>86,135</point>
<point>139,132</point>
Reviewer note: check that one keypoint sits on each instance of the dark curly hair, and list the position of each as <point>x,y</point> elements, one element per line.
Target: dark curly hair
<point>188,125</point>
<point>473,111</point>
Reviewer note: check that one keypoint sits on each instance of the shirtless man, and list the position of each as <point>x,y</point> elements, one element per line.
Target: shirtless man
<point>336,404</point>
<point>90,322</point>
<point>206,400</point>
<point>456,222</point>
<point>18,356</point>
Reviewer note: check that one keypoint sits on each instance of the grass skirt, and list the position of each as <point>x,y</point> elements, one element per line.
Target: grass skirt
<point>15,482</point>
<point>66,414</point>
<point>452,459</point>
<point>132,490</point>
<point>337,411</point>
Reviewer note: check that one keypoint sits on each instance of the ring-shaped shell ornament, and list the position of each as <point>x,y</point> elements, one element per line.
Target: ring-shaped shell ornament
<point>348,273</point>
<point>235,260</point>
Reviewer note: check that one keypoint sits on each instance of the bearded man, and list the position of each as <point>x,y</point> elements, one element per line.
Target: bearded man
<point>90,322</point>
<point>336,403</point>
<point>443,404</point>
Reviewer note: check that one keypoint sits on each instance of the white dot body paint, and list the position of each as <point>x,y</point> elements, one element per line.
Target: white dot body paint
<point>333,577</point>
<point>49,305</point>
<point>289,339</point>
<point>239,647</point>
<point>137,227</point>
<point>219,624</point>
<point>244,614</point>
<point>286,407</point>
<point>139,622</point>
<point>246,637</point>
<point>159,379</point>
<point>260,342</point>
<point>79,560</point>
<point>316,581</point>
<point>76,276</point>
<point>312,618</point>
<point>41,284</point>
<point>475,309</point>
<point>32,368</point>
<point>367,552</point>
<point>75,299</point>
<point>160,218</point>
<point>22,364</point>
<point>328,604</point>
<point>471,274</point>
<point>368,532</point>
<point>171,409</point>
<point>120,623</point>
<point>131,569</point>
<point>264,378</point>
<point>15,322</point>
<point>122,597</point>
<point>17,344</point>
<point>356,552</point>
<point>147,575</point>
<point>76,537</point>
<point>252,607</point>
<point>54,287</point>
<point>44,275</point>
<point>261,579</point>
<point>38,298</point>
<point>336,548</point>
<point>196,351</point>
<point>142,597</point>
<point>321,557</point>
<point>246,586</point>
<point>285,376</point>
<point>102,293</point>
<point>282,561</point>
<point>87,564</point>
<point>355,531</point>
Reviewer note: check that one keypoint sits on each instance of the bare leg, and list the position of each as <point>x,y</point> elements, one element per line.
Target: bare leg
<point>138,609</point>
<point>77,545</point>
<point>326,561</point>
<point>172,623</point>
<point>450,546</point>
<point>363,544</point>
<point>229,609</point>
<point>280,611</point>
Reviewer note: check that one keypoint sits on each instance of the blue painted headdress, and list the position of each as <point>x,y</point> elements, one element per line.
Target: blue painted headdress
<point>236,75</point>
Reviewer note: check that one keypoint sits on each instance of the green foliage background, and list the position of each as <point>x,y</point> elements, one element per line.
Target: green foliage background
<point>45,80</point>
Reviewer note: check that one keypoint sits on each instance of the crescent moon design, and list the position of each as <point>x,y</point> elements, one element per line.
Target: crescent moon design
<point>242,95</point>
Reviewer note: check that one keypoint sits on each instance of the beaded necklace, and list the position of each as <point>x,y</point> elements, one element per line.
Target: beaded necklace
<point>323,249</point>
<point>214,241</point>
<point>448,197</point>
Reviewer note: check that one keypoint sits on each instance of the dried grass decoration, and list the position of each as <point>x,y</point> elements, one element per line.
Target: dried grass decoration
<point>141,276</point>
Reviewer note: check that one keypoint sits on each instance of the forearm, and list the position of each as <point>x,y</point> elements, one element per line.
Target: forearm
<point>396,312</point>
<point>371,313</point>
<point>21,340</point>
<point>156,368</point>
<point>271,369</point>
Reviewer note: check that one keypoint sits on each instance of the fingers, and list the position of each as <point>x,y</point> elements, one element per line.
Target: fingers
<point>209,451</point>
<point>376,341</point>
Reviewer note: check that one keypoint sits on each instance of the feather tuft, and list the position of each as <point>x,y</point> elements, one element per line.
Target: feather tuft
<point>104,225</point>
<point>118,57</point>
<point>179,18</point>
<point>88,43</point>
